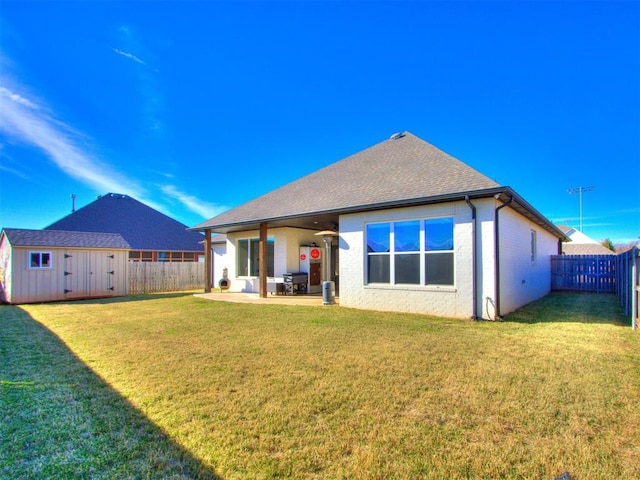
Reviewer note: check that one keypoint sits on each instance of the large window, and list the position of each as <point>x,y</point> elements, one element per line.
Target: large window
<point>39,259</point>
<point>248,259</point>
<point>413,252</point>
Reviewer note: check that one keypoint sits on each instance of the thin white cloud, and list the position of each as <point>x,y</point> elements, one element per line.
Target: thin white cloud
<point>22,120</point>
<point>129,55</point>
<point>13,171</point>
<point>18,98</point>
<point>147,86</point>
<point>204,209</point>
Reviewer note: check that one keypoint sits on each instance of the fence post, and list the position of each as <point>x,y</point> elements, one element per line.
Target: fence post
<point>634,286</point>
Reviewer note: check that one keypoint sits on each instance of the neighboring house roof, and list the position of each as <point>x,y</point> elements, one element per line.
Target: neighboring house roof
<point>401,171</point>
<point>582,244</point>
<point>140,225</point>
<point>585,249</point>
<point>20,237</point>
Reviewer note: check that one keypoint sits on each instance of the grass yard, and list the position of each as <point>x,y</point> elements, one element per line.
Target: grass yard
<point>172,386</point>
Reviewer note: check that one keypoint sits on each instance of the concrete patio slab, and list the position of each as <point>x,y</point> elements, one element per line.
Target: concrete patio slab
<point>269,300</point>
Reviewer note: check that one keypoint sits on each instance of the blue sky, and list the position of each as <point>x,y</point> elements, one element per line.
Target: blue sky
<point>195,107</point>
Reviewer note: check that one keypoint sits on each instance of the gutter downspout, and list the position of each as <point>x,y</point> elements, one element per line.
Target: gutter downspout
<point>474,248</point>
<point>496,276</point>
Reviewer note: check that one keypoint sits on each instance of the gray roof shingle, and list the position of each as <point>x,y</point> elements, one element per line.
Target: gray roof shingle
<point>143,227</point>
<point>64,239</point>
<point>393,171</point>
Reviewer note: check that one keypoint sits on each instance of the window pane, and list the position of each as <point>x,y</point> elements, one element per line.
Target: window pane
<point>378,237</point>
<point>35,260</point>
<point>378,268</point>
<point>243,258</point>
<point>439,268</point>
<point>407,268</point>
<point>254,262</point>
<point>46,260</point>
<point>407,236</point>
<point>270,257</point>
<point>438,233</point>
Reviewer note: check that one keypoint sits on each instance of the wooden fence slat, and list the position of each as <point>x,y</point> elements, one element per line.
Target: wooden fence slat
<point>154,277</point>
<point>585,273</point>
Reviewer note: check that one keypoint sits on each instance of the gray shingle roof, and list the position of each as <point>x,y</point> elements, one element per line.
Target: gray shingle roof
<point>143,227</point>
<point>392,172</point>
<point>63,239</point>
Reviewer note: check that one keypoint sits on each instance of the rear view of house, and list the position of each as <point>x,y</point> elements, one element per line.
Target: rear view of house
<point>413,229</point>
<point>49,265</point>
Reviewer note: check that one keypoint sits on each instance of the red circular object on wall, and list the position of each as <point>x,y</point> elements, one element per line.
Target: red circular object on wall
<point>303,256</point>
<point>315,253</point>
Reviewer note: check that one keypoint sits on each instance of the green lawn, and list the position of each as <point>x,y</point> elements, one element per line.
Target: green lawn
<point>172,386</point>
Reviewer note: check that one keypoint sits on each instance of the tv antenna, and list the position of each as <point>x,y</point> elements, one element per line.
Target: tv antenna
<point>580,191</point>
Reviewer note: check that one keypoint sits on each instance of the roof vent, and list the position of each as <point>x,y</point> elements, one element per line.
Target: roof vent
<point>396,136</point>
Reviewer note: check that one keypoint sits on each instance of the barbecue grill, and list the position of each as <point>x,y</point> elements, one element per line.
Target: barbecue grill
<point>295,283</point>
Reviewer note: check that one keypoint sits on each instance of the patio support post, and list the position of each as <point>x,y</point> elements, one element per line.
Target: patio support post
<point>207,261</point>
<point>262,255</point>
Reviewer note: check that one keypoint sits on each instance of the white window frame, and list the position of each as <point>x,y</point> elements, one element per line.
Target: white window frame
<point>40,254</point>
<point>249,265</point>
<point>423,253</point>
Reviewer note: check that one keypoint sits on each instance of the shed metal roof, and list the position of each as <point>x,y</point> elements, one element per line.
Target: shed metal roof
<point>21,237</point>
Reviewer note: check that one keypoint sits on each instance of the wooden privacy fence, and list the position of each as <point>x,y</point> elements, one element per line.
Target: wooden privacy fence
<point>152,277</point>
<point>628,284</point>
<point>619,274</point>
<point>584,273</point>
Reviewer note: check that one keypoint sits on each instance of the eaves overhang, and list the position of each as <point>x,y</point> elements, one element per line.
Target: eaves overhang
<point>319,219</point>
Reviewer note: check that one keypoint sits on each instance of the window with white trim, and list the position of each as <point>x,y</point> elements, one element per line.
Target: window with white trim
<point>39,259</point>
<point>411,252</point>
<point>248,257</point>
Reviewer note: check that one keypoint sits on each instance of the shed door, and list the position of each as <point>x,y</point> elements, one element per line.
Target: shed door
<point>88,274</point>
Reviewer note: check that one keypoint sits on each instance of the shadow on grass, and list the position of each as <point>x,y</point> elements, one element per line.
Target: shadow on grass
<point>132,298</point>
<point>60,420</point>
<point>572,308</point>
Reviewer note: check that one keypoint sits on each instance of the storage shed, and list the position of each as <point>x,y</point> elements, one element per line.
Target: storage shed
<point>51,265</point>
